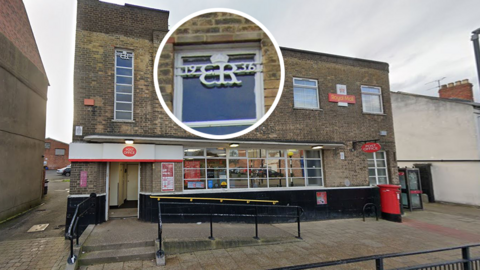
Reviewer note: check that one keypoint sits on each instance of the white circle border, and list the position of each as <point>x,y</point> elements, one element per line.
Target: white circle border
<point>202,134</point>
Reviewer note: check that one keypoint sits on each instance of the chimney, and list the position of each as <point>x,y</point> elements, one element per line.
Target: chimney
<point>458,90</point>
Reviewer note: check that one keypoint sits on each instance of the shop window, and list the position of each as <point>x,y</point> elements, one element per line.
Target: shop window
<point>305,94</point>
<point>47,145</point>
<point>372,99</point>
<point>123,85</point>
<point>218,90</point>
<point>377,168</point>
<point>59,152</point>
<point>212,168</point>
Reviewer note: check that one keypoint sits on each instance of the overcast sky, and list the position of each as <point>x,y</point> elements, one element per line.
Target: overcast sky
<point>422,40</point>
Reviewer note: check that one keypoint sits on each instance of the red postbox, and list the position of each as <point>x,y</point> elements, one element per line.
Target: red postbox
<point>390,202</point>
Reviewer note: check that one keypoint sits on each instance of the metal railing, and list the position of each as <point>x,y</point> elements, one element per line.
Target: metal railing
<point>465,263</point>
<point>72,232</point>
<point>297,214</point>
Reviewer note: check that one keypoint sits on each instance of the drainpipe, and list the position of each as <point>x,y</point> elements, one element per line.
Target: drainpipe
<point>476,48</point>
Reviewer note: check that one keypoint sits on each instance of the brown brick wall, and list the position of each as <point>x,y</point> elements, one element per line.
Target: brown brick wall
<point>14,24</point>
<point>96,177</point>
<point>94,78</point>
<point>220,28</point>
<point>56,162</point>
<point>151,180</point>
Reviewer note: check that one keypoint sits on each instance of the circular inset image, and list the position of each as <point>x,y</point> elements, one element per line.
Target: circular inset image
<point>219,73</point>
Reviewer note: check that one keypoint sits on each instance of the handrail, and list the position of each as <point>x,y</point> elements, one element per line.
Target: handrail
<point>465,261</point>
<point>213,199</point>
<point>72,231</point>
<point>160,253</point>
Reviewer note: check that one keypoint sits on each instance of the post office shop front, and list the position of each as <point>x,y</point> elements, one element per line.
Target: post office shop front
<point>307,153</point>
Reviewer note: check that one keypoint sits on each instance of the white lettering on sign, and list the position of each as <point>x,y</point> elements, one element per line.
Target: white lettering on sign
<point>125,55</point>
<point>222,72</point>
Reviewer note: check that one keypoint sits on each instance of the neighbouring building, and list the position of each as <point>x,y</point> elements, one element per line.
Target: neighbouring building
<point>441,137</point>
<point>307,153</point>
<point>56,154</point>
<point>23,91</point>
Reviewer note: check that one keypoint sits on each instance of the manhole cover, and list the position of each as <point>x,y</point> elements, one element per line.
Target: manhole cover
<point>38,228</point>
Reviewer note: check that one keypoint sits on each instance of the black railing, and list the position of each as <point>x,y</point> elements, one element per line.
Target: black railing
<point>465,263</point>
<point>73,231</point>
<point>298,212</point>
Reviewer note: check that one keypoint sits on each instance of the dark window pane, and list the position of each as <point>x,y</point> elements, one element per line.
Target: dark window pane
<point>124,106</point>
<point>216,163</point>
<point>217,173</point>
<point>238,173</point>
<point>238,183</point>
<point>124,88</point>
<point>124,97</point>
<point>193,152</point>
<point>124,71</point>
<point>313,154</point>
<point>124,80</point>
<point>314,172</point>
<point>216,152</point>
<point>314,163</point>
<point>237,163</point>
<point>123,115</point>
<point>202,103</point>
<point>315,181</point>
<point>258,183</point>
<point>222,130</point>
<point>124,62</point>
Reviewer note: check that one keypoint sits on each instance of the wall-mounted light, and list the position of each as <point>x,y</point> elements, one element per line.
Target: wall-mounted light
<point>234,145</point>
<point>128,141</point>
<point>317,147</point>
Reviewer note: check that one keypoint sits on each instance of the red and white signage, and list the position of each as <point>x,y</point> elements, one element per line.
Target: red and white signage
<point>167,177</point>
<point>371,147</point>
<point>129,151</point>
<point>341,98</point>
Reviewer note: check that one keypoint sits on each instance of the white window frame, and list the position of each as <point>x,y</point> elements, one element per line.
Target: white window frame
<point>372,94</point>
<point>64,151</point>
<point>376,168</point>
<point>306,86</point>
<point>207,50</point>
<point>247,158</point>
<point>115,87</point>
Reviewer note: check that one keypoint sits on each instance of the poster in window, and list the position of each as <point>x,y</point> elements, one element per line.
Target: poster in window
<point>192,174</point>
<point>167,177</point>
<point>321,198</point>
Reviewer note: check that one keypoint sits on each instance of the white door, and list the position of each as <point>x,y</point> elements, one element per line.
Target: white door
<point>132,182</point>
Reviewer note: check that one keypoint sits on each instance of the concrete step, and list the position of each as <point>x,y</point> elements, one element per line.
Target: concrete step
<point>89,247</point>
<point>117,255</point>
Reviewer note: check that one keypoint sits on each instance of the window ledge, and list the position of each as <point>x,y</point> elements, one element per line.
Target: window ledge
<point>308,109</point>
<point>123,121</point>
<point>382,114</point>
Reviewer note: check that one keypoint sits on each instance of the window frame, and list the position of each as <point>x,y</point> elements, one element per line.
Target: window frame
<point>306,86</point>
<point>115,86</point>
<point>64,151</point>
<point>376,168</point>
<point>372,94</point>
<point>207,50</point>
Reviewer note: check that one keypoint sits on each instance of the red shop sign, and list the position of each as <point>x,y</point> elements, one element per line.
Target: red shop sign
<point>129,151</point>
<point>371,147</point>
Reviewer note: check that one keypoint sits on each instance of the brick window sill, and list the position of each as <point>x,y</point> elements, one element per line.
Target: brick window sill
<point>123,121</point>
<point>307,109</point>
<point>380,114</point>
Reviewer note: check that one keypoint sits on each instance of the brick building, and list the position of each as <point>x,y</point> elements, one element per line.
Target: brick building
<point>56,154</point>
<point>310,145</point>
<point>23,105</point>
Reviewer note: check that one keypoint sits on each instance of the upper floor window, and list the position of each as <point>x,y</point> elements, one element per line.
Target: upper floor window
<point>218,90</point>
<point>305,93</point>
<point>372,99</point>
<point>123,85</point>
<point>377,168</point>
<point>47,145</point>
<point>59,152</point>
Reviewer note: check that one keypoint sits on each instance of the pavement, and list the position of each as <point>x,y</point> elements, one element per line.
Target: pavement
<point>438,226</point>
<point>38,250</point>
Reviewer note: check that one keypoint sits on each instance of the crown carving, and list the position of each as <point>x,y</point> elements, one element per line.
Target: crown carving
<point>219,58</point>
